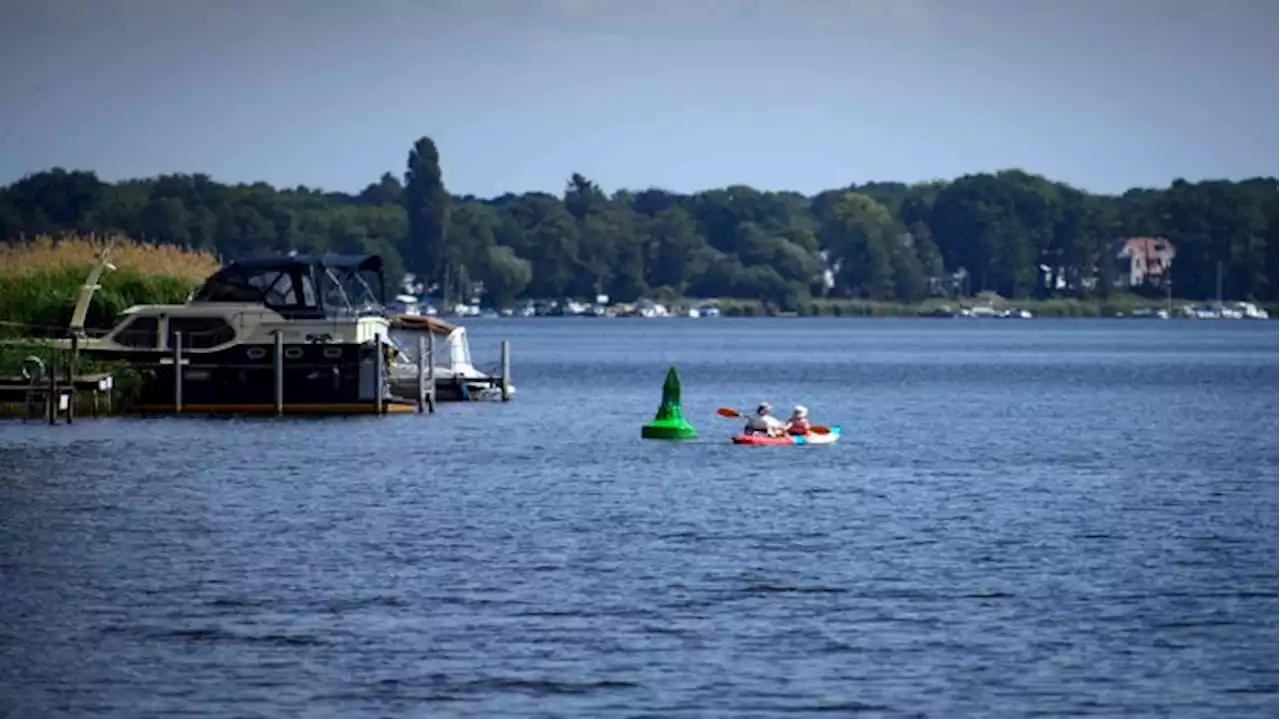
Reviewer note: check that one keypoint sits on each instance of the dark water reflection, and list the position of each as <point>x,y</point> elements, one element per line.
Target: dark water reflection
<point>1023,519</point>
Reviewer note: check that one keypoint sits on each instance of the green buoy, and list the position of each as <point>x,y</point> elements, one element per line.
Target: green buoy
<point>669,423</point>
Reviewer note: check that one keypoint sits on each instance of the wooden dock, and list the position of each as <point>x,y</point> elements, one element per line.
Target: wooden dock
<point>85,395</point>
<point>389,406</point>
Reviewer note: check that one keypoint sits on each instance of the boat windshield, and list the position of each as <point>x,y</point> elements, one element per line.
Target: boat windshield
<point>348,290</point>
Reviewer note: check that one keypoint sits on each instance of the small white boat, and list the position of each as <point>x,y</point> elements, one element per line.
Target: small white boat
<point>456,377</point>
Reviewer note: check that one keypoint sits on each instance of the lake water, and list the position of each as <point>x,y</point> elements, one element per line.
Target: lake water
<point>1037,518</point>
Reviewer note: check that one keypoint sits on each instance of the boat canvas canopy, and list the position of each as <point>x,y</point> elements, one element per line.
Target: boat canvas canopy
<point>422,323</point>
<point>405,328</point>
<point>328,259</point>
<point>301,286</point>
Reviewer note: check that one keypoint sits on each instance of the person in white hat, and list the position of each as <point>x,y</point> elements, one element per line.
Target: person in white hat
<point>764,422</point>
<point>799,421</point>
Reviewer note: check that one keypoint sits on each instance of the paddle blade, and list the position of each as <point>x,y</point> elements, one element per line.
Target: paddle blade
<point>726,412</point>
<point>819,429</point>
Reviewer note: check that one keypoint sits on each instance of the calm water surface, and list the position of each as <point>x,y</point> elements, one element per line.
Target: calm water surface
<point>1041,518</point>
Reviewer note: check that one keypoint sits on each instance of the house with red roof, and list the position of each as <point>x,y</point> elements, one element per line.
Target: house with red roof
<point>1143,261</point>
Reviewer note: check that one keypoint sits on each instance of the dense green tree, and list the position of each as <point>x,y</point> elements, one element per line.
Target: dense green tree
<point>858,232</point>
<point>597,245</point>
<point>386,191</point>
<point>678,253</point>
<point>506,274</point>
<point>909,281</point>
<point>1010,232</point>
<point>427,205</point>
<point>1272,241</point>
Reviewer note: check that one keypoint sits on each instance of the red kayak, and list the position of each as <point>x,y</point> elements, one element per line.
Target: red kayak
<point>810,438</point>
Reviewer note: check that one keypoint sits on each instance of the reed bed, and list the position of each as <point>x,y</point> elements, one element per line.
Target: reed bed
<point>39,281</point>
<point>46,255</point>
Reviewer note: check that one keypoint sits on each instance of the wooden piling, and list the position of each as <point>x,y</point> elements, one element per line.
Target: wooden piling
<point>431,372</point>
<point>279,373</point>
<point>422,373</point>
<point>51,399</point>
<point>506,370</point>
<point>379,363</point>
<point>177,373</point>
<point>72,362</point>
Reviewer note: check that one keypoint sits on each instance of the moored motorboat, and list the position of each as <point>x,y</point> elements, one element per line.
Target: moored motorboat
<point>297,333</point>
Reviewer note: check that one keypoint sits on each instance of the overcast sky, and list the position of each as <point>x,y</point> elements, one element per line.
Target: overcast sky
<point>681,94</point>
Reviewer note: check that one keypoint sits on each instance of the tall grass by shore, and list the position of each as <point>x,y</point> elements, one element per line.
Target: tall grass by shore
<point>39,280</point>
<point>44,254</point>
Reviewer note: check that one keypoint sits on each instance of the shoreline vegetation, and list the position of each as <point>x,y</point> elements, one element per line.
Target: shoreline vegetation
<point>866,249</point>
<point>39,280</point>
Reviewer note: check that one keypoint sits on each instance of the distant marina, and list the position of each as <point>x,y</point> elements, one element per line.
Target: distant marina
<point>410,305</point>
<point>703,309</point>
<point>1218,311</point>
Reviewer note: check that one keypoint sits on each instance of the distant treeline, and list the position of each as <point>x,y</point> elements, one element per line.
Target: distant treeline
<point>1014,233</point>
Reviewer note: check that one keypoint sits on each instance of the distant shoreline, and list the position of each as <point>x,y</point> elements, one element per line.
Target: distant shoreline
<point>969,308</point>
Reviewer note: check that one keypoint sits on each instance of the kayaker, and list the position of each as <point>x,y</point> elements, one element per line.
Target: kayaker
<point>799,421</point>
<point>764,422</point>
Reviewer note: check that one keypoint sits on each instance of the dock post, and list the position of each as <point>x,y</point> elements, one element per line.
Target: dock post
<point>379,360</point>
<point>506,370</point>
<point>422,374</point>
<point>431,372</point>
<point>177,372</point>
<point>279,373</point>
<point>51,401</point>
<point>71,376</point>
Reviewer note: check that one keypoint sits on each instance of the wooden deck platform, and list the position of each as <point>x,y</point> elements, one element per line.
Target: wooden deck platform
<point>87,395</point>
<point>389,406</point>
<point>13,386</point>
